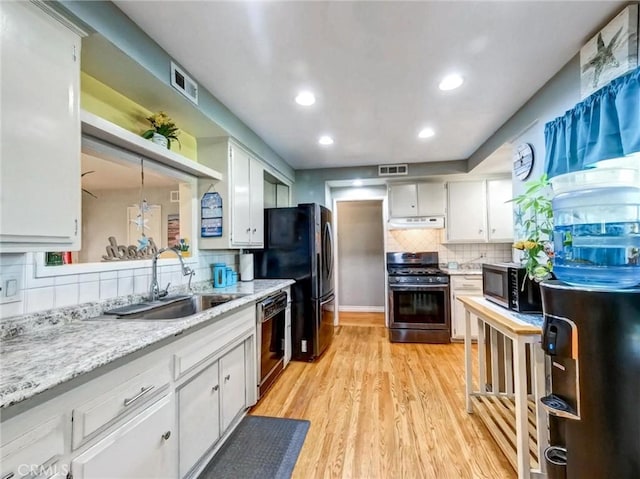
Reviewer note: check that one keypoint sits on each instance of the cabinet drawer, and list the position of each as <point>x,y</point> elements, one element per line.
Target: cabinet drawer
<point>34,454</point>
<point>100,412</point>
<point>466,282</point>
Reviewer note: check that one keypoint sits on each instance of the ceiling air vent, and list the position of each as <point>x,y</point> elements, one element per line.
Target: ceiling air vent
<point>183,83</point>
<point>393,170</point>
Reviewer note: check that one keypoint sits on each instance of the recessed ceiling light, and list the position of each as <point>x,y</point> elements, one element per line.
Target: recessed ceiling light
<point>451,82</point>
<point>305,98</point>
<point>357,183</point>
<point>325,140</point>
<point>426,133</point>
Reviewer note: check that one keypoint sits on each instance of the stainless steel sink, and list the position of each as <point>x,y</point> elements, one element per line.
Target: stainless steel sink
<point>173,307</point>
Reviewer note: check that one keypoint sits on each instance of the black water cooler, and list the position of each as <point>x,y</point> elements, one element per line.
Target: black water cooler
<point>592,339</point>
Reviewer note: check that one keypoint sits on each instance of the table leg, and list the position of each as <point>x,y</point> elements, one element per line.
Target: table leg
<point>522,431</point>
<point>539,389</point>
<point>482,362</point>
<point>468,372</point>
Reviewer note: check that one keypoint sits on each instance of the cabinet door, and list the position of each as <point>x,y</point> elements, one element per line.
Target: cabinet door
<point>431,198</point>
<point>403,201</point>
<point>145,447</point>
<point>233,384</point>
<point>199,410</point>
<point>40,134</point>
<point>466,213</point>
<point>256,202</point>
<point>241,203</point>
<point>499,212</point>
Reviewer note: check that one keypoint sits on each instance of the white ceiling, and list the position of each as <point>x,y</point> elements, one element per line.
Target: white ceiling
<point>374,67</point>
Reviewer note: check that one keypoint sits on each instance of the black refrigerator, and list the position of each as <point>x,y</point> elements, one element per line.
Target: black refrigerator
<point>298,244</point>
<point>592,340</point>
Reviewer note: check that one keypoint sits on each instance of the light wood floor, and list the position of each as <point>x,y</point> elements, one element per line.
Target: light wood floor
<point>383,410</point>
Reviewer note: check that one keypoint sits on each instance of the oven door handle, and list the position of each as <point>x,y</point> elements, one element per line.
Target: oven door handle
<point>419,287</point>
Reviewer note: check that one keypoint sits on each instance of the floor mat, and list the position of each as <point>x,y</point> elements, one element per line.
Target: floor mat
<point>260,448</point>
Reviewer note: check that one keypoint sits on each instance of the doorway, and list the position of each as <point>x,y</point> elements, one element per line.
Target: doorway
<point>360,256</point>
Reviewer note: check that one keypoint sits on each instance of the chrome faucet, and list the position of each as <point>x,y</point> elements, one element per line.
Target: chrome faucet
<point>155,292</point>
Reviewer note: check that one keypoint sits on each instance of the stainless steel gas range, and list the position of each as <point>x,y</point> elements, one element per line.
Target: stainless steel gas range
<point>419,309</point>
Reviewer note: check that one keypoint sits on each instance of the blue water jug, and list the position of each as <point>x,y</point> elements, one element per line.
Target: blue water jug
<point>219,275</point>
<point>229,273</point>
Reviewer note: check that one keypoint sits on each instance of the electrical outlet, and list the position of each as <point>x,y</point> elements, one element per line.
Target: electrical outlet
<point>9,289</point>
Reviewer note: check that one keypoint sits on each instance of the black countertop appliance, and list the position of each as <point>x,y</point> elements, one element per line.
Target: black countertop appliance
<point>592,340</point>
<point>299,245</point>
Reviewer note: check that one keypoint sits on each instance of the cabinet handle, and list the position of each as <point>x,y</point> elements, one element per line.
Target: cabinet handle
<point>166,435</point>
<point>248,230</point>
<point>480,231</point>
<point>143,391</point>
<point>227,377</point>
<point>493,230</point>
<point>255,230</point>
<point>216,387</point>
<point>8,476</point>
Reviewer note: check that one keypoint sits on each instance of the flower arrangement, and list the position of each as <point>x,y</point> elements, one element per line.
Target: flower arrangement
<point>162,125</point>
<point>535,216</point>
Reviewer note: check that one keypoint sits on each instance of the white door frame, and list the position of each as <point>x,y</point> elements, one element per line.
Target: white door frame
<point>384,219</point>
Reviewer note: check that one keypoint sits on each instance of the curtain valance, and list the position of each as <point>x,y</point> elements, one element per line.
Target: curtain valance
<point>604,125</point>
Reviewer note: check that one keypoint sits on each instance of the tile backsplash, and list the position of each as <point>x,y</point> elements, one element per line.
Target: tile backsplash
<point>432,240</point>
<point>42,293</point>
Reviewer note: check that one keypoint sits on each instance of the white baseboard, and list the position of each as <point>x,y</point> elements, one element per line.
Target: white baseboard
<point>361,309</point>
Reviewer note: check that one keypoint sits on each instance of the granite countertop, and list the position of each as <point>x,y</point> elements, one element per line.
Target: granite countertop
<point>43,350</point>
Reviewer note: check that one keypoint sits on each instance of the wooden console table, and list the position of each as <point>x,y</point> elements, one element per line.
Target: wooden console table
<point>509,380</point>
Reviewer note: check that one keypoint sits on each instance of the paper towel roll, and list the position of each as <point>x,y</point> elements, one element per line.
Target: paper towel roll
<point>246,267</point>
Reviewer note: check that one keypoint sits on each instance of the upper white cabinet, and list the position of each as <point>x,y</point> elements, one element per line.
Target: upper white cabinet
<point>419,199</point>
<point>242,192</point>
<point>499,210</point>
<point>40,135</point>
<point>477,211</point>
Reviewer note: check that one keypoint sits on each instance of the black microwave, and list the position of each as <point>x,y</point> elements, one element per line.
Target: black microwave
<point>508,285</point>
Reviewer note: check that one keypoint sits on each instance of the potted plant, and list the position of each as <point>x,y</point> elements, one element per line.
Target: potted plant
<point>164,130</point>
<point>534,215</point>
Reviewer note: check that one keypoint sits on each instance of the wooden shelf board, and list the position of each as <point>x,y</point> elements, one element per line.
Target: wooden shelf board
<point>498,415</point>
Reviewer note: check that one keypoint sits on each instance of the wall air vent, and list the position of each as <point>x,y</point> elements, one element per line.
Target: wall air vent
<point>183,83</point>
<point>393,170</point>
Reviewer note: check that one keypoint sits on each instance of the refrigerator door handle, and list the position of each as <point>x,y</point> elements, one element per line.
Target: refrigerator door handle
<point>328,250</point>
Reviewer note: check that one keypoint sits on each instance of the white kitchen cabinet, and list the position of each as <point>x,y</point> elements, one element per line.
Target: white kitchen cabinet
<point>34,453</point>
<point>40,134</point>
<point>477,212</point>
<point>242,192</point>
<point>199,416</point>
<point>463,285</point>
<point>233,385</point>
<point>420,199</point>
<point>144,447</point>
<point>499,210</point>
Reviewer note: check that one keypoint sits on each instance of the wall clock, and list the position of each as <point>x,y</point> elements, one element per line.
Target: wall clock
<point>523,161</point>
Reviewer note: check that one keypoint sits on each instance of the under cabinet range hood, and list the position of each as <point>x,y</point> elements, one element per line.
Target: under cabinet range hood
<point>436,222</point>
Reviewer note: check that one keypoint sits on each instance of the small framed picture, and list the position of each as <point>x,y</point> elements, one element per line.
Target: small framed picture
<point>611,53</point>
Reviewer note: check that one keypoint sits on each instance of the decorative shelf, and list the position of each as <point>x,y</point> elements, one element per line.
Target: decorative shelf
<point>103,129</point>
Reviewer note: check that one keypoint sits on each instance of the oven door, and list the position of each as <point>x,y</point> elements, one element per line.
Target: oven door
<point>271,344</point>
<point>419,306</point>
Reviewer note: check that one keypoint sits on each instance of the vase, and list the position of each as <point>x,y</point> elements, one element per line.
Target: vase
<point>161,140</point>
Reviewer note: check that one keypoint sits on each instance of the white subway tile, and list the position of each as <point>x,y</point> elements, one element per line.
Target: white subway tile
<point>32,282</point>
<point>125,285</point>
<point>38,299</point>
<point>8,310</point>
<point>66,279</point>
<point>89,291</point>
<point>88,277</point>
<point>108,275</point>
<point>66,295</point>
<point>108,288</point>
<point>141,284</point>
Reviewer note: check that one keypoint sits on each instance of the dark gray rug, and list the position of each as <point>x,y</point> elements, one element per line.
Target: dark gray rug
<point>260,448</point>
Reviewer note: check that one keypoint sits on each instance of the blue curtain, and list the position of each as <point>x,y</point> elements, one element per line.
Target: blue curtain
<point>604,125</point>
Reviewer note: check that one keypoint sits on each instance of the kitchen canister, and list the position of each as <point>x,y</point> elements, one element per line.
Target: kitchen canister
<point>246,267</point>
<point>229,275</point>
<point>219,275</point>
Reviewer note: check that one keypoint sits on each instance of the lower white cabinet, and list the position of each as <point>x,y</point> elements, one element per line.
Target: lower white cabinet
<point>199,416</point>
<point>463,285</point>
<point>144,447</point>
<point>233,382</point>
<point>35,453</point>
